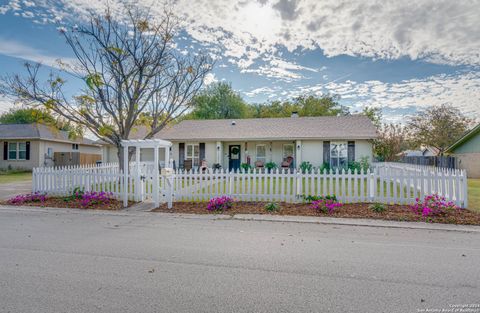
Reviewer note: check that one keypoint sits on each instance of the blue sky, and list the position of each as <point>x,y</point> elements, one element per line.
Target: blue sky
<point>398,55</point>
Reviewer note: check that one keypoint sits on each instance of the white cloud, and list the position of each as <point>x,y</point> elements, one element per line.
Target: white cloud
<point>209,79</point>
<point>436,31</point>
<point>19,50</point>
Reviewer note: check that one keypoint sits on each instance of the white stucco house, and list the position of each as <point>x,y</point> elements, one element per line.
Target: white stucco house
<point>335,140</point>
<point>25,146</point>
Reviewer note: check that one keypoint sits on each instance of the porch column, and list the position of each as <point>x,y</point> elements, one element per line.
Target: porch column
<point>167,157</point>
<point>219,153</point>
<point>125,176</point>
<point>156,190</point>
<point>137,174</point>
<point>298,153</point>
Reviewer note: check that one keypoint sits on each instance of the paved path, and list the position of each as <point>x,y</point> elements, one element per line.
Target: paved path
<point>11,189</point>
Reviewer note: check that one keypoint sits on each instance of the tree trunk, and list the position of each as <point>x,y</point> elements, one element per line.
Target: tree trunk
<point>120,155</point>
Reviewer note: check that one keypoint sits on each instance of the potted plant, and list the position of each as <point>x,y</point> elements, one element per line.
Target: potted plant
<point>270,166</point>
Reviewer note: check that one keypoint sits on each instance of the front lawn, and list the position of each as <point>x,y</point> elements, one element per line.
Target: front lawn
<point>474,194</point>
<point>14,177</point>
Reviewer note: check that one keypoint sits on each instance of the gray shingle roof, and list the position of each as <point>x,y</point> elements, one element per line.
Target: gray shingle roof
<point>322,127</point>
<point>38,131</point>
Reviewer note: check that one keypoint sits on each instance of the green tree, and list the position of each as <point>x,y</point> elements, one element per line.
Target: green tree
<point>218,101</point>
<point>391,141</point>
<point>33,115</point>
<point>320,106</point>
<point>438,126</point>
<point>374,114</point>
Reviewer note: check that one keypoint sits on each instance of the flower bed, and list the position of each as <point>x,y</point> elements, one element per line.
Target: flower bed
<point>77,200</point>
<point>350,210</point>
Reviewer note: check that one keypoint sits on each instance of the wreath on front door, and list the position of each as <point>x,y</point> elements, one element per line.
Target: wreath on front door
<point>235,150</point>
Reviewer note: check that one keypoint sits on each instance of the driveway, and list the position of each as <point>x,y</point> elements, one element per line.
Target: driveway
<point>79,261</point>
<point>9,190</point>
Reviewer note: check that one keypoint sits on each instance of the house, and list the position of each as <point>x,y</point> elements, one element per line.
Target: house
<point>467,152</point>
<point>422,152</point>
<point>25,146</point>
<point>335,140</point>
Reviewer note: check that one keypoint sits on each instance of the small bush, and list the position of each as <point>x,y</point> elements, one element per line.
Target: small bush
<point>246,167</point>
<point>306,166</point>
<point>27,198</point>
<point>310,199</point>
<point>76,194</point>
<point>325,205</point>
<point>272,207</point>
<point>270,165</point>
<point>432,205</point>
<point>92,198</point>
<point>377,207</point>
<point>325,168</point>
<point>220,204</point>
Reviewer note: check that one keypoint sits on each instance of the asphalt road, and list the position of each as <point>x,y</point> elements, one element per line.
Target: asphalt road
<point>92,262</point>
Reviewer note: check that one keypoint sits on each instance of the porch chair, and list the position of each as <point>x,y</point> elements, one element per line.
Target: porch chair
<point>288,162</point>
<point>203,166</point>
<point>259,164</point>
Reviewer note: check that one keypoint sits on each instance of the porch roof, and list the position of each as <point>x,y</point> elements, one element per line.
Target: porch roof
<point>290,128</point>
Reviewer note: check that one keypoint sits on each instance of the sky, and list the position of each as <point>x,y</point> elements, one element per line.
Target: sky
<point>401,56</point>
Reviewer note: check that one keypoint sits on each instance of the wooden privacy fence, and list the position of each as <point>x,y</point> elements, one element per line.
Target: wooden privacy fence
<point>383,183</point>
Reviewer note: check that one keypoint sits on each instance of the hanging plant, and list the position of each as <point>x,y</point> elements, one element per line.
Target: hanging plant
<point>235,150</point>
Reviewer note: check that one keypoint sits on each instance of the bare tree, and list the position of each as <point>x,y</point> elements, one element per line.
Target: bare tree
<point>131,73</point>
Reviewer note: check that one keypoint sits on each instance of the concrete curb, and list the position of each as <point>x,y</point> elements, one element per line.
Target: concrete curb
<point>260,218</point>
<point>357,222</point>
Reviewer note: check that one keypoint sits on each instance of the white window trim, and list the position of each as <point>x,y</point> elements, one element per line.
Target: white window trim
<point>338,157</point>
<point>195,146</point>
<point>264,159</point>
<point>283,150</point>
<point>17,151</point>
<point>75,146</point>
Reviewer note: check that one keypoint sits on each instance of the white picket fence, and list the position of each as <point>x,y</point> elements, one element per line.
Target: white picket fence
<point>384,183</point>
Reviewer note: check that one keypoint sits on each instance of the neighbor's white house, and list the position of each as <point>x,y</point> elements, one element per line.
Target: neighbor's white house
<point>335,140</point>
<point>25,146</point>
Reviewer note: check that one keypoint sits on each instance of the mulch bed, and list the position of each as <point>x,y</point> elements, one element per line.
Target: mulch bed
<point>351,210</point>
<point>59,202</point>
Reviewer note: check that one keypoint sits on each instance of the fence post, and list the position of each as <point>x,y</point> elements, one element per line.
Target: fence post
<point>465,188</point>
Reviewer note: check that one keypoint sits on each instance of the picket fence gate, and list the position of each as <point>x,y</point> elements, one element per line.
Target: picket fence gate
<point>385,183</point>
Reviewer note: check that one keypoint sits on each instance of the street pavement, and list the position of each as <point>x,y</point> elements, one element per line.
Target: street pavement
<point>91,261</point>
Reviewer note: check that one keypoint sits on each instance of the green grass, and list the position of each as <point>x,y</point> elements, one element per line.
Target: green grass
<point>14,177</point>
<point>474,194</point>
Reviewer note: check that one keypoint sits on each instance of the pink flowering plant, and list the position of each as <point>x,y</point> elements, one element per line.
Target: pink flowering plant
<point>220,204</point>
<point>326,205</point>
<point>28,198</point>
<point>93,198</point>
<point>432,205</point>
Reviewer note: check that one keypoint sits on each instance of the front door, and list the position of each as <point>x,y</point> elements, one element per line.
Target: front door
<point>234,157</point>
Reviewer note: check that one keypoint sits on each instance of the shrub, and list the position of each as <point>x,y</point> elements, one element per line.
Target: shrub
<point>92,198</point>
<point>246,166</point>
<point>310,199</point>
<point>433,205</point>
<point>306,166</point>
<point>272,207</point>
<point>270,165</point>
<point>220,204</point>
<point>325,167</point>
<point>27,198</point>
<point>377,207</point>
<point>325,205</point>
<point>76,194</point>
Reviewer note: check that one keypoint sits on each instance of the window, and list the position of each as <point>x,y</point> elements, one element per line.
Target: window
<point>50,152</point>
<point>338,154</point>
<point>74,146</point>
<point>17,150</point>
<point>193,153</point>
<point>261,153</point>
<point>288,151</point>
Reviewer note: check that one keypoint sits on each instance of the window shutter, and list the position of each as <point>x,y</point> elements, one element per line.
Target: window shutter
<point>351,151</point>
<point>181,154</point>
<point>5,150</point>
<point>202,150</point>
<point>27,152</point>
<point>326,152</point>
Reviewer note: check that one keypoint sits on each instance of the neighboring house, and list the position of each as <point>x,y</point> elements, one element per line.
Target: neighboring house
<point>333,140</point>
<point>25,146</point>
<point>467,152</point>
<point>422,152</point>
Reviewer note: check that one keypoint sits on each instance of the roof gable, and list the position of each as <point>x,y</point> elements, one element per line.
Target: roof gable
<point>466,137</point>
